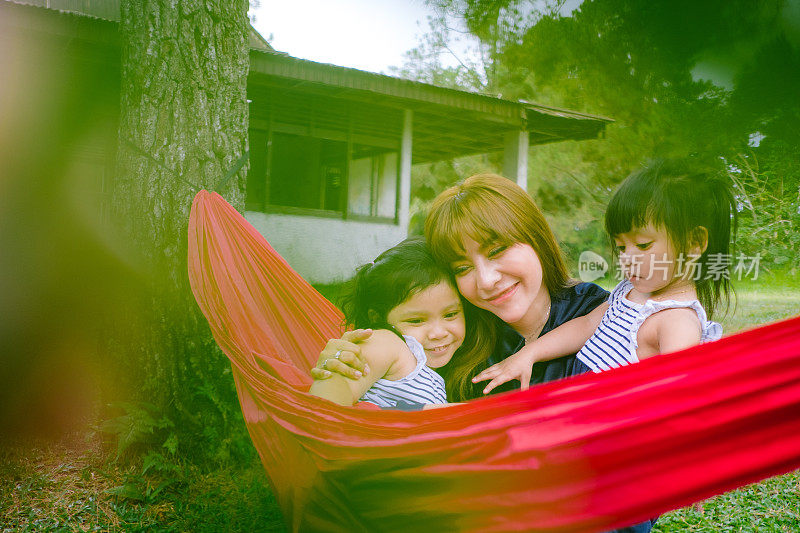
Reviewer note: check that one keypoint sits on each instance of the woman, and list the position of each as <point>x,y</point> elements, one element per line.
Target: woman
<point>507,264</point>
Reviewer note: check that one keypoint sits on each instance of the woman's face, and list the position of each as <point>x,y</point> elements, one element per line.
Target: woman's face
<point>503,279</point>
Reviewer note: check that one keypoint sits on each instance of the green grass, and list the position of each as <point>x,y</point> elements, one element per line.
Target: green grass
<point>767,299</point>
<point>770,506</point>
<point>75,485</point>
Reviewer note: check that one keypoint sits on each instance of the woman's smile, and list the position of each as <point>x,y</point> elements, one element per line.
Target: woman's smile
<point>503,295</point>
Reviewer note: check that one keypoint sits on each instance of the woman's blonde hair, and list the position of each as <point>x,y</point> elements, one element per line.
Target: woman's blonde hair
<point>489,208</point>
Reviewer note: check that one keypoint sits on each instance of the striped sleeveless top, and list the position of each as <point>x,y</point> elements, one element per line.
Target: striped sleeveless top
<point>421,386</point>
<point>614,343</point>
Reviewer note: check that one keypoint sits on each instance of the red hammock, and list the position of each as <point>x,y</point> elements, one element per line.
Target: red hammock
<point>588,453</point>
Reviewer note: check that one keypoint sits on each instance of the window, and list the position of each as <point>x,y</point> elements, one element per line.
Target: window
<point>373,182</point>
<point>334,177</point>
<point>307,172</point>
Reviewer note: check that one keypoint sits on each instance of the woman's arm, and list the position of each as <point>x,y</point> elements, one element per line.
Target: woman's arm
<point>381,351</point>
<point>567,338</point>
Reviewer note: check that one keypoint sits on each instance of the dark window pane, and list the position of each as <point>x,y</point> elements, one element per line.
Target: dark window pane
<point>332,159</point>
<point>257,175</point>
<point>307,172</point>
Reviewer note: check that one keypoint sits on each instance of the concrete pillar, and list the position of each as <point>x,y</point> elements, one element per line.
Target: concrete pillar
<point>515,157</point>
<point>404,188</point>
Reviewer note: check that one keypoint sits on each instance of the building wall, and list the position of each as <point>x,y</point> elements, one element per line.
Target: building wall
<point>325,250</point>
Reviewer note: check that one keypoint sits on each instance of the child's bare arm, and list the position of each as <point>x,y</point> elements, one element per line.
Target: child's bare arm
<point>380,351</point>
<point>668,331</point>
<point>567,338</point>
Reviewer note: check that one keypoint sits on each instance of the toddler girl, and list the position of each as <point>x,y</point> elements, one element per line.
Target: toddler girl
<point>671,228</point>
<point>418,318</point>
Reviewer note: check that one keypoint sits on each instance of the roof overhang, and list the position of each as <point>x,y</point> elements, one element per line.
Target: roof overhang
<point>447,122</point>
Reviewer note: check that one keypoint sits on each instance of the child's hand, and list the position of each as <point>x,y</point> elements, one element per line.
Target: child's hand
<point>518,366</point>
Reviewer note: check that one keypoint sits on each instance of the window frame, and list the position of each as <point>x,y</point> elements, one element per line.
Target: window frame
<point>270,127</point>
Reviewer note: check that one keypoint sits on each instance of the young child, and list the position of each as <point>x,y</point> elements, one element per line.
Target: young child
<point>418,318</point>
<point>671,228</point>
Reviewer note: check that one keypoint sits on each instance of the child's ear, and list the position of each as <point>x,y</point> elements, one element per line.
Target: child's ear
<point>699,240</point>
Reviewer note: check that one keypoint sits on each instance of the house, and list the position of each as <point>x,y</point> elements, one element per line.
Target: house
<point>331,148</point>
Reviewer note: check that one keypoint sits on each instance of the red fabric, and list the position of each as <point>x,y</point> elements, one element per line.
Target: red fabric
<point>585,454</point>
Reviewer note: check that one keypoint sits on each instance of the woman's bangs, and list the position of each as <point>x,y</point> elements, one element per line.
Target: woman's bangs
<point>447,238</point>
<point>466,220</point>
<point>494,222</point>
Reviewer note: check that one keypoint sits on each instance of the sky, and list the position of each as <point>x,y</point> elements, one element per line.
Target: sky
<point>364,34</point>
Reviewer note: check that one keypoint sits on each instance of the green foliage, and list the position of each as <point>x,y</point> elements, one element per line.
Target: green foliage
<point>158,472</point>
<point>429,180</point>
<point>144,434</point>
<point>140,425</point>
<point>710,80</point>
<point>773,505</point>
<point>171,379</point>
<point>174,387</point>
<point>769,216</point>
<point>438,61</point>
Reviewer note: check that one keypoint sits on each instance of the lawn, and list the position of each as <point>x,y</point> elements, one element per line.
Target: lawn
<point>75,485</point>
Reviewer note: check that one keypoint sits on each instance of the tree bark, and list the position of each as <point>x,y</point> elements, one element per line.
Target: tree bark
<point>183,125</point>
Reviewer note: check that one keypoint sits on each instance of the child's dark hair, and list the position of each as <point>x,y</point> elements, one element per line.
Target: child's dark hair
<point>394,276</point>
<point>679,197</point>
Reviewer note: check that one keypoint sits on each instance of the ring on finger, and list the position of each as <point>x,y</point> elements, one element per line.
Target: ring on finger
<point>325,364</point>
<point>337,354</point>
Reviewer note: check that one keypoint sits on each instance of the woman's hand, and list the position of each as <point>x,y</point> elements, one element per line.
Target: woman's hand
<point>518,366</point>
<point>343,356</point>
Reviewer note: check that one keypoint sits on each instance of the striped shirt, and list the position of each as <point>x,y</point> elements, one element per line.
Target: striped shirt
<point>614,343</point>
<point>421,386</point>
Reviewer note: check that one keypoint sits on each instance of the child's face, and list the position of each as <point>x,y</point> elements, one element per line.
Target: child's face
<point>435,318</point>
<point>648,259</point>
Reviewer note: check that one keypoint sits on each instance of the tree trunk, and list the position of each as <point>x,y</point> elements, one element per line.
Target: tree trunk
<point>183,125</point>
